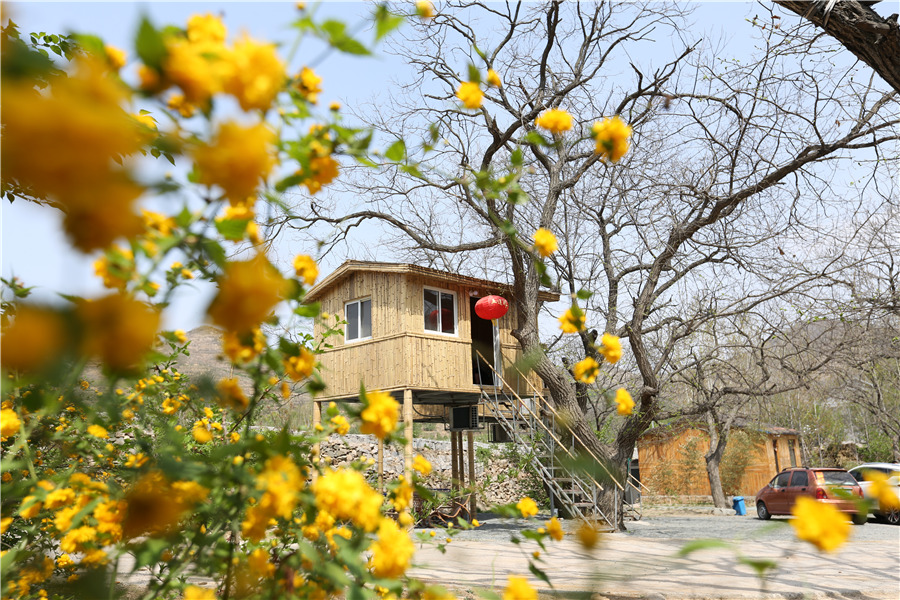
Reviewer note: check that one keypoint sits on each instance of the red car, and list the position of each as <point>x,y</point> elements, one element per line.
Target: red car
<point>831,486</point>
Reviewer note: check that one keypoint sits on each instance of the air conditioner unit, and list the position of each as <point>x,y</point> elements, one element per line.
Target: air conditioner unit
<point>464,418</point>
<point>498,435</point>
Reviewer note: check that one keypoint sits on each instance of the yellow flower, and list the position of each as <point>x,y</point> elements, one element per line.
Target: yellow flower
<point>554,528</point>
<point>179,103</point>
<point>341,424</point>
<point>198,68</point>
<point>9,422</point>
<point>345,495</point>
<point>586,370</point>
<point>281,480</point>
<point>881,490</point>
<point>206,28</point>
<point>425,9</point>
<point>230,395</point>
<point>300,367</point>
<point>309,85</point>
<point>243,347</point>
<point>258,74</point>
<point>34,340</point>
<point>572,321</point>
<point>402,495</point>
<point>518,588</point>
<point>324,170</point>
<point>612,138</point>
<point>201,433</point>
<point>154,505</point>
<point>180,335</point>
<point>306,268</point>
<point>421,465</point>
<point>612,348</point>
<point>493,79</point>
<point>64,560</point>
<point>470,94</point>
<point>545,242</point>
<point>97,431</point>
<point>392,551</point>
<point>820,524</point>
<point>118,329</point>
<point>379,417</point>
<point>60,497</point>
<point>237,159</point>
<point>527,507</point>
<point>115,267</point>
<point>624,402</point>
<point>75,540</point>
<point>588,535</point>
<point>115,56</point>
<point>248,291</point>
<point>193,592</point>
<point>554,120</point>
<point>259,564</point>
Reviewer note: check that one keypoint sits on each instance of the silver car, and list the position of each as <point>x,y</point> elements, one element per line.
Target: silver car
<point>892,470</point>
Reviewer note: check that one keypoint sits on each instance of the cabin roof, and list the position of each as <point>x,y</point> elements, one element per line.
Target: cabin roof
<point>354,266</point>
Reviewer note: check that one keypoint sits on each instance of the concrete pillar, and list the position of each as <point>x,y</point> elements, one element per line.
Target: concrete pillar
<point>454,476</point>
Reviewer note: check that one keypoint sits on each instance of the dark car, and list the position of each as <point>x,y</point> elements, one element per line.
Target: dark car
<point>831,486</point>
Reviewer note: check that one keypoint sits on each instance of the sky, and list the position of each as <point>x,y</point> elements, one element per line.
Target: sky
<point>33,246</point>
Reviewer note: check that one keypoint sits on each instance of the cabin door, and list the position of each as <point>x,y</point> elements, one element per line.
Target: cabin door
<point>485,347</point>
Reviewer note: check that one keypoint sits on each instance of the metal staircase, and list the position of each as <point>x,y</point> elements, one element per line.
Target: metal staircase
<point>530,424</point>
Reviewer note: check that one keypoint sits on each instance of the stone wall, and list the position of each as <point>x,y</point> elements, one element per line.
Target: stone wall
<point>498,482</point>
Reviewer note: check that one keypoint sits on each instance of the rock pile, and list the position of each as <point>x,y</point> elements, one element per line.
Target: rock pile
<point>498,481</point>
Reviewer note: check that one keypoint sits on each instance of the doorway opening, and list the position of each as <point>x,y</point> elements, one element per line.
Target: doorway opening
<point>483,343</point>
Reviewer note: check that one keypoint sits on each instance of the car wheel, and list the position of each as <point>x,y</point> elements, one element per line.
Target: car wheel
<point>892,516</point>
<point>762,512</point>
<point>860,518</point>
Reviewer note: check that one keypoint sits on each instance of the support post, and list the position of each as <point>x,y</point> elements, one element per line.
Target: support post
<point>472,499</point>
<point>380,466</point>
<point>454,476</point>
<point>408,433</point>
<point>461,457</point>
<point>316,449</point>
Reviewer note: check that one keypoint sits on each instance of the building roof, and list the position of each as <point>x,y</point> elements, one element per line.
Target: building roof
<point>676,426</point>
<point>355,266</point>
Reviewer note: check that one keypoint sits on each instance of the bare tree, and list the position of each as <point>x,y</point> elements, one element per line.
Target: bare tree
<point>724,153</point>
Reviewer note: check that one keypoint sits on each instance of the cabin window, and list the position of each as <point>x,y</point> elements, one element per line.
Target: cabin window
<point>358,315</point>
<point>440,311</point>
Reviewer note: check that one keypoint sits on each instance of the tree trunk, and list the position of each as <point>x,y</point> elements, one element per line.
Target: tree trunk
<point>871,38</point>
<point>713,459</point>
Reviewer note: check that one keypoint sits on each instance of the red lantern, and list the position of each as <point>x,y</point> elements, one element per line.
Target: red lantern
<point>491,307</point>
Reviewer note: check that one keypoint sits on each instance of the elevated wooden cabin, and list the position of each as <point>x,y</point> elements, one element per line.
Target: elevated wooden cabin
<point>671,456</point>
<point>414,328</point>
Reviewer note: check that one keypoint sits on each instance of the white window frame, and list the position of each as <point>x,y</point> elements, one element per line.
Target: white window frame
<point>453,295</point>
<point>359,303</point>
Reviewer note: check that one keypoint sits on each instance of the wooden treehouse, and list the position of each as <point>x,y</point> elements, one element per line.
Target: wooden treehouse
<point>413,332</point>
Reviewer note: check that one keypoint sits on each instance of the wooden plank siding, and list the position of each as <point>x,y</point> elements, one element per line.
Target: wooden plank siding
<point>677,459</point>
<point>401,353</point>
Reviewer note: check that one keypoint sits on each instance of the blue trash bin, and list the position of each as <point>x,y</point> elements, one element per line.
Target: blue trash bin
<point>739,507</point>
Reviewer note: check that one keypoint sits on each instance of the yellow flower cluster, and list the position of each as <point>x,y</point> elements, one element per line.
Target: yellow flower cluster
<point>554,528</point>
<point>345,495</point>
<point>470,94</point>
<point>554,120</point>
<point>380,415</point>
<point>572,321</point>
<point>527,507</point>
<point>421,465</point>
<point>392,551</point>
<point>230,395</point>
<point>611,348</point>
<point>241,348</point>
<point>301,366</point>
<point>237,159</point>
<point>611,136</point>
<point>545,242</point>
<point>624,402</point>
<point>306,268</point>
<point>518,588</point>
<point>248,291</point>
<point>820,524</point>
<point>586,370</point>
<point>881,490</point>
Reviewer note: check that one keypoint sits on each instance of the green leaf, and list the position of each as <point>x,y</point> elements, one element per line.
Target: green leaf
<point>232,229</point>
<point>396,152</point>
<point>584,294</point>
<point>474,74</point>
<point>760,565</point>
<point>149,44</point>
<point>533,137</point>
<point>308,310</point>
<point>336,35</point>
<point>149,552</point>
<point>215,252</point>
<point>385,21</point>
<point>539,573</point>
<point>695,545</point>
<point>91,43</point>
<point>516,159</point>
